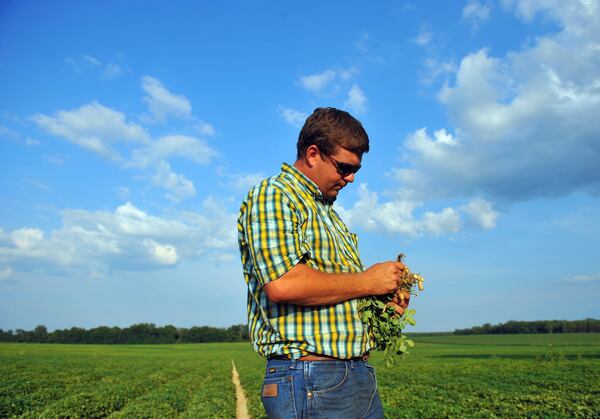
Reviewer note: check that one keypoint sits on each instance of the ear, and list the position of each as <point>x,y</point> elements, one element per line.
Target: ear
<point>312,155</point>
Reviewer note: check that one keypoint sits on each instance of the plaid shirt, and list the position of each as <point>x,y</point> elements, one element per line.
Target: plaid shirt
<point>285,220</point>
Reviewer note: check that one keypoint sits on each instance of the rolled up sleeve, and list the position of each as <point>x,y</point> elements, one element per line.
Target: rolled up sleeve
<point>274,234</point>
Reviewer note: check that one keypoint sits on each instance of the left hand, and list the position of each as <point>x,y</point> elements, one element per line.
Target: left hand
<point>400,301</point>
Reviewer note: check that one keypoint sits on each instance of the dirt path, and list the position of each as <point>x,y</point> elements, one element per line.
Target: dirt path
<point>242,403</point>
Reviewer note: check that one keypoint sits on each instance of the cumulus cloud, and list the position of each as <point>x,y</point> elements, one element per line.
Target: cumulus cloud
<point>87,62</point>
<point>239,182</point>
<point>324,81</point>
<point>481,213</point>
<point>162,103</point>
<point>292,116</point>
<point>93,127</point>
<point>178,187</point>
<point>397,216</point>
<point>170,146</point>
<point>476,12</point>
<point>526,123</point>
<point>435,69</point>
<point>356,99</point>
<point>317,82</point>
<point>126,239</point>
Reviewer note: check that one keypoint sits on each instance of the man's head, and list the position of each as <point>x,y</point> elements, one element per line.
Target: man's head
<point>330,148</point>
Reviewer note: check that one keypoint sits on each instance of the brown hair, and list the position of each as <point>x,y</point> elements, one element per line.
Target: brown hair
<point>329,128</point>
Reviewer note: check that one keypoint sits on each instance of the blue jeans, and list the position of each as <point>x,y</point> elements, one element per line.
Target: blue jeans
<point>320,389</point>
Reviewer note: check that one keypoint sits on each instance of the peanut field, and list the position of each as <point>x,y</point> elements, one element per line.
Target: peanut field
<point>444,376</point>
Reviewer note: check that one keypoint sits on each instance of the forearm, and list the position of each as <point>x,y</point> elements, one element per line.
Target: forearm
<point>305,286</point>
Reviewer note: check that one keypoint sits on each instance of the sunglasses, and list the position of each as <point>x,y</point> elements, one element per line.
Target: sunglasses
<point>344,169</point>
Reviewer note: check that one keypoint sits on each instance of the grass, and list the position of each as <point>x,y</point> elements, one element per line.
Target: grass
<point>445,376</point>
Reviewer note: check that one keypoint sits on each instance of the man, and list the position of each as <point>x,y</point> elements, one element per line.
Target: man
<point>304,274</point>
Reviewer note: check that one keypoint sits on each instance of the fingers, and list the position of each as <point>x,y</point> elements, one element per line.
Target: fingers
<point>397,308</point>
<point>400,266</point>
<point>401,298</point>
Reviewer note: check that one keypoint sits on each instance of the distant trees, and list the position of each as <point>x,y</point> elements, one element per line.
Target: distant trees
<point>540,326</point>
<point>141,333</point>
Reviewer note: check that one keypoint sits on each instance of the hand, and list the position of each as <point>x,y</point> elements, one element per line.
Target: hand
<point>400,301</point>
<point>385,277</point>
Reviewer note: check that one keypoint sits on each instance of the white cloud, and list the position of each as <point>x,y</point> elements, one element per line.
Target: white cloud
<point>435,69</point>
<point>123,193</point>
<point>240,182</point>
<point>397,216</point>
<point>126,239</point>
<point>162,103</point>
<point>476,12</point>
<point>16,137</point>
<point>205,128</point>
<point>348,73</point>
<point>111,71</point>
<point>317,82</point>
<point>93,127</point>
<point>178,187</point>
<point>26,238</point>
<point>163,254</point>
<point>37,184</point>
<point>292,116</point>
<point>424,37</point>
<point>481,213</point>
<point>169,146</point>
<point>324,82</point>
<point>8,133</point>
<point>356,100</point>
<point>583,279</point>
<point>248,180</point>
<point>90,60</point>
<point>55,159</point>
<point>86,62</point>
<point>31,142</point>
<point>526,124</point>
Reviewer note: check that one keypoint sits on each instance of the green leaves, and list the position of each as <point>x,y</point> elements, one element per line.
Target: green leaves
<point>385,325</point>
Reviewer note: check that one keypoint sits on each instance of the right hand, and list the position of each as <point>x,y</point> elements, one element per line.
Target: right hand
<point>385,277</point>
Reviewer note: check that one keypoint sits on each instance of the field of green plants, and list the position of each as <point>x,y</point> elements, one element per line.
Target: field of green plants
<point>444,376</point>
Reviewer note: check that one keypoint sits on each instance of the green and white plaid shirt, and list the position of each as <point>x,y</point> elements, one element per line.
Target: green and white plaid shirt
<point>284,220</point>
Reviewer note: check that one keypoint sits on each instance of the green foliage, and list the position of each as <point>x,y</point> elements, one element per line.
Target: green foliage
<point>83,381</point>
<point>539,326</point>
<point>384,324</point>
<point>141,333</point>
<point>386,327</point>
<point>446,376</point>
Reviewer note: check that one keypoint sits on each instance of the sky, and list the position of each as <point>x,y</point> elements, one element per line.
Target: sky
<point>130,134</point>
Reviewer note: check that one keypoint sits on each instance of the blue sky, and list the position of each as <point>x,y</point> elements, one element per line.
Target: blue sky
<point>130,134</point>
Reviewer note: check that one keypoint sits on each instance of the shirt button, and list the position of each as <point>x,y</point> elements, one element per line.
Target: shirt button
<point>309,394</point>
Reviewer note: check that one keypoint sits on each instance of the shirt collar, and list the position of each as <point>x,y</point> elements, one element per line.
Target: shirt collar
<point>304,182</point>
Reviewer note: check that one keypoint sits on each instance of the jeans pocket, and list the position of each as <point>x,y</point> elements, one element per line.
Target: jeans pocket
<point>372,371</point>
<point>277,396</point>
<point>350,398</point>
<point>328,376</point>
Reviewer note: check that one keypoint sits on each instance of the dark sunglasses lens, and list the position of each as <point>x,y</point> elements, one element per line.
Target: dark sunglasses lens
<point>347,169</point>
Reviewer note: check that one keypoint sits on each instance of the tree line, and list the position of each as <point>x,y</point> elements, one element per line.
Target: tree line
<point>137,333</point>
<point>539,326</point>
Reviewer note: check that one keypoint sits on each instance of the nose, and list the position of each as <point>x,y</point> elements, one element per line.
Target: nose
<point>349,178</point>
